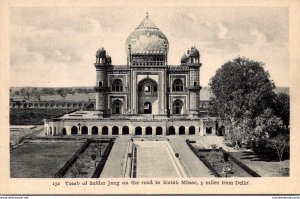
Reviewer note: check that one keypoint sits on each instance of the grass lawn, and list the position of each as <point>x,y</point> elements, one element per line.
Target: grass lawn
<point>41,159</point>
<point>264,167</point>
<point>31,116</point>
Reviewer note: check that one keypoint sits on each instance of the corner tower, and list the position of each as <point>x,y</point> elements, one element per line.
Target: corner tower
<point>103,62</point>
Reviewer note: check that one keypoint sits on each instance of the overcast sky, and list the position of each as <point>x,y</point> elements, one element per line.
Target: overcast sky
<point>55,47</point>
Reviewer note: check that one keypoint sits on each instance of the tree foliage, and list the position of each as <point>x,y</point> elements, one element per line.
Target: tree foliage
<point>240,86</point>
<point>243,94</point>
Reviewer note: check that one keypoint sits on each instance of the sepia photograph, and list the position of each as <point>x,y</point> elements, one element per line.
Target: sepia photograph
<point>176,93</point>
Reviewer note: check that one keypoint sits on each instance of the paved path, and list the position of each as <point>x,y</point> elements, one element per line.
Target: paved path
<point>190,161</point>
<point>114,166</point>
<point>155,159</point>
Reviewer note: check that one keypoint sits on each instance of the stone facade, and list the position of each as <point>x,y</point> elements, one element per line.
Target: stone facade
<point>144,97</point>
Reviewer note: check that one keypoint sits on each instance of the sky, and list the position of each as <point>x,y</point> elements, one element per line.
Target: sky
<point>56,46</point>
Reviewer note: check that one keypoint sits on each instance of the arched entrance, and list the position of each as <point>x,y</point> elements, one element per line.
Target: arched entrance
<point>208,130</point>
<point>177,106</point>
<point>84,130</point>
<point>125,130</point>
<point>192,130</point>
<point>171,130</point>
<point>64,131</point>
<point>147,108</point>
<point>95,130</point>
<point>105,130</point>
<point>147,100</point>
<point>117,107</point>
<point>148,130</point>
<point>181,130</point>
<point>159,130</point>
<point>74,130</point>
<point>115,130</point>
<point>138,130</point>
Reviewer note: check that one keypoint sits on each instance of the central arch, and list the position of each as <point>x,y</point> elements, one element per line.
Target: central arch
<point>105,130</point>
<point>125,130</point>
<point>115,130</point>
<point>138,130</point>
<point>147,100</point>
<point>84,130</point>
<point>148,130</point>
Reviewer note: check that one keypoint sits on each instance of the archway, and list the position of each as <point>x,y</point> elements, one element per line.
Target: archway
<point>159,130</point>
<point>177,106</point>
<point>208,130</point>
<point>147,108</point>
<point>192,130</point>
<point>171,130</point>
<point>84,130</point>
<point>95,130</point>
<point>50,130</point>
<point>125,130</point>
<point>138,130</point>
<point>181,130</point>
<point>74,130</point>
<point>115,130</point>
<point>105,130</point>
<point>64,131</point>
<point>148,130</point>
<point>117,106</point>
<point>147,100</point>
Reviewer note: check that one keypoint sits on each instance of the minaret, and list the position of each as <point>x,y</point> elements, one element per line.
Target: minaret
<point>193,62</point>
<point>102,62</point>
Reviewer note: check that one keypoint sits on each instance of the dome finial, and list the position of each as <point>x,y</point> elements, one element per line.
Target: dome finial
<point>147,15</point>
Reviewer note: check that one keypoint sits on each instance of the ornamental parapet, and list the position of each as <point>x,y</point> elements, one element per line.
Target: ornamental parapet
<point>178,67</point>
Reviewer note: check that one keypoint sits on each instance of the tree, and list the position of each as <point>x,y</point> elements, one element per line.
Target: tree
<point>62,92</point>
<point>240,86</point>
<point>279,143</point>
<point>26,93</point>
<point>281,107</point>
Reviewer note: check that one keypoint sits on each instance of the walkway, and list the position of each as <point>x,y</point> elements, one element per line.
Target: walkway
<point>157,159</point>
<point>114,166</point>
<point>190,161</point>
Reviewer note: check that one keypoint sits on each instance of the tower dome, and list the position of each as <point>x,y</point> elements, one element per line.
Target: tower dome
<point>101,52</point>
<point>194,52</point>
<point>147,39</point>
<point>183,59</point>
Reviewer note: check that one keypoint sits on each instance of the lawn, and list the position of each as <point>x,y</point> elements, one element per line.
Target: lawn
<point>40,159</point>
<point>266,167</point>
<point>31,116</point>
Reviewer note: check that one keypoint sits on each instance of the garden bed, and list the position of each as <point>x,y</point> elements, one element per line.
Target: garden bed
<point>86,163</point>
<point>222,163</point>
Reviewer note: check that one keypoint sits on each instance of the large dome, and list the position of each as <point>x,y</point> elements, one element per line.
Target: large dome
<point>147,39</point>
